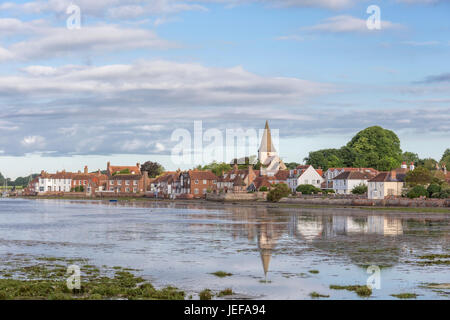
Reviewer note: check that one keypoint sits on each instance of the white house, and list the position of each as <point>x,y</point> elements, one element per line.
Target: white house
<point>332,173</point>
<point>387,184</point>
<point>54,182</point>
<point>347,180</point>
<point>304,175</point>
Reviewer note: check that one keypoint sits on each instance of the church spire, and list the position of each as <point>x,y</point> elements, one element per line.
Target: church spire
<point>266,142</point>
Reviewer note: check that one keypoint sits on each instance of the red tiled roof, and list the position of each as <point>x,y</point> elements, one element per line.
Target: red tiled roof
<point>354,175</point>
<point>387,177</point>
<point>202,175</point>
<point>282,175</point>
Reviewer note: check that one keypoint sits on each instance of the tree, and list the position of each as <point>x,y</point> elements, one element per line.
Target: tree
<point>376,147</point>
<point>428,163</point>
<point>154,169</point>
<point>416,192</point>
<point>307,189</point>
<point>216,168</point>
<point>419,176</point>
<point>445,160</point>
<point>409,157</point>
<point>325,159</point>
<point>360,189</point>
<point>292,165</point>
<point>372,147</point>
<point>279,191</point>
<point>433,190</point>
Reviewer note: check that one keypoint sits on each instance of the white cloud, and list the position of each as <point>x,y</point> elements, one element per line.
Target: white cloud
<point>346,23</point>
<point>162,83</point>
<point>54,42</point>
<point>33,141</point>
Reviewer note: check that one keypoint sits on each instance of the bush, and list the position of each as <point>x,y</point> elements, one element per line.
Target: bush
<point>263,189</point>
<point>417,192</point>
<point>361,189</point>
<point>279,191</point>
<point>444,194</point>
<point>307,189</point>
<point>434,190</point>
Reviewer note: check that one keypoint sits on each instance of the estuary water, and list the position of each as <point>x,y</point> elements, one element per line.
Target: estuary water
<point>272,253</point>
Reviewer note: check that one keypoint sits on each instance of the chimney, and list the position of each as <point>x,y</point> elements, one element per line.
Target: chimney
<point>138,165</point>
<point>411,166</point>
<point>85,169</point>
<point>393,175</point>
<point>108,164</point>
<point>404,165</point>
<point>445,168</point>
<point>235,167</point>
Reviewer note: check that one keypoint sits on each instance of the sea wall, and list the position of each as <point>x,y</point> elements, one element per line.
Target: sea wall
<point>397,202</point>
<point>255,196</point>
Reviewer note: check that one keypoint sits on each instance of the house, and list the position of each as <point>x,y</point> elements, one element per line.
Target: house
<point>332,173</point>
<point>54,182</point>
<point>90,182</point>
<point>347,180</point>
<point>268,181</point>
<point>304,174</point>
<point>126,179</point>
<point>168,184</point>
<point>268,156</point>
<point>237,178</point>
<point>386,184</point>
<point>197,182</point>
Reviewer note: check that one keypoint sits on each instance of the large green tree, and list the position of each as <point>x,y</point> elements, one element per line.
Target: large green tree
<point>216,167</point>
<point>372,147</point>
<point>154,169</point>
<point>409,157</point>
<point>419,176</point>
<point>445,160</point>
<point>326,158</point>
<point>376,147</point>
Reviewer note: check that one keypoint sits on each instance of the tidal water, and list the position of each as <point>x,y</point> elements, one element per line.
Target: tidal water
<point>269,251</point>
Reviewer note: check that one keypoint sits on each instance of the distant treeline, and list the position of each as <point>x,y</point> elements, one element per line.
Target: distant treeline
<point>19,182</point>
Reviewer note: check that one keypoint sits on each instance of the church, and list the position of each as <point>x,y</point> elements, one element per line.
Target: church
<point>268,156</point>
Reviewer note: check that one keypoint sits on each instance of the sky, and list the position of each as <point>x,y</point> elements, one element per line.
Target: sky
<point>117,85</point>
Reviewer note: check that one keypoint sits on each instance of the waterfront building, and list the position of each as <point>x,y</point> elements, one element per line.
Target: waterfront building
<point>347,180</point>
<point>387,184</point>
<point>304,174</point>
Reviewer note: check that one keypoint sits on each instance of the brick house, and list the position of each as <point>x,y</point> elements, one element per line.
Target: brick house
<point>197,183</point>
<point>91,182</point>
<point>126,179</point>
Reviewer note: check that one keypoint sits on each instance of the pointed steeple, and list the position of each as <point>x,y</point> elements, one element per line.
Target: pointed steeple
<point>266,141</point>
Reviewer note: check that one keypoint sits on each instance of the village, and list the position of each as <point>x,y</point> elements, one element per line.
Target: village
<point>235,184</point>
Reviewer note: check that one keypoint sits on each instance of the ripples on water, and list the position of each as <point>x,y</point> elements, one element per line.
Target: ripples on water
<point>269,251</point>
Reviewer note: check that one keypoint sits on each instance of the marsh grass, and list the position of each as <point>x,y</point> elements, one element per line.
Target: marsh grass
<point>47,281</point>
<point>318,295</point>
<point>362,291</point>
<point>405,295</point>
<point>222,274</point>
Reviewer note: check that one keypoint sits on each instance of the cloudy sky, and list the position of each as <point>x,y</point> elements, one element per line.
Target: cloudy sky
<point>117,87</point>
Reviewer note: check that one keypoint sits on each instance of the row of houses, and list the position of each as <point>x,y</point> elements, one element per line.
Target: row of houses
<point>117,179</point>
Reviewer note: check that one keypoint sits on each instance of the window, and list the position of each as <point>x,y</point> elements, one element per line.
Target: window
<point>196,191</point>
<point>119,182</point>
<point>196,181</point>
<point>134,190</point>
<point>111,189</point>
<point>127,182</point>
<point>111,182</point>
<point>204,191</point>
<point>134,183</point>
<point>127,189</point>
<point>204,181</point>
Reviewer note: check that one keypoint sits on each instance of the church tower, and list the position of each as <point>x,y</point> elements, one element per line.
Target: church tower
<point>266,149</point>
<point>268,156</point>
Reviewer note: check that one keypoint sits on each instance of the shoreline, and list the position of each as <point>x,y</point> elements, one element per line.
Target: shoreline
<point>253,204</point>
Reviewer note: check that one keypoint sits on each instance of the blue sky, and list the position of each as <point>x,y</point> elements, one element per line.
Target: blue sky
<point>135,71</point>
